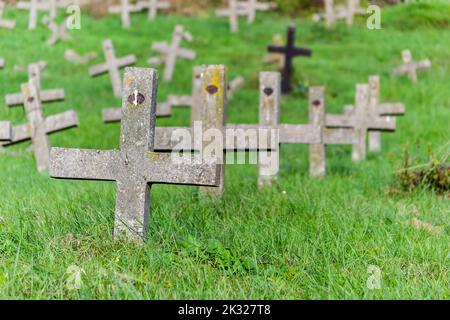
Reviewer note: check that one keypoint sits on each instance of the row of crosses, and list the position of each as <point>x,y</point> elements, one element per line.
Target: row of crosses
<point>333,12</point>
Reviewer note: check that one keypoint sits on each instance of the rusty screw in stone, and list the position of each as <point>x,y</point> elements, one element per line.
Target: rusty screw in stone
<point>136,98</point>
<point>30,99</point>
<point>316,103</point>
<point>212,89</point>
<point>268,91</point>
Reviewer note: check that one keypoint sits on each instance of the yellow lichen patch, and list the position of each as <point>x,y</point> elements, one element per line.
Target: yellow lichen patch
<point>153,156</point>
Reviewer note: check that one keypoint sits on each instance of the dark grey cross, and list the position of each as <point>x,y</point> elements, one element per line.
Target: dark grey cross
<point>290,52</point>
<point>135,166</point>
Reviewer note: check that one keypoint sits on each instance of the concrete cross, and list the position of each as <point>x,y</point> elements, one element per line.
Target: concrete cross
<point>233,12</point>
<point>8,24</point>
<point>34,74</point>
<point>164,109</point>
<point>135,166</point>
<point>59,32</point>
<point>252,6</point>
<point>410,67</point>
<point>376,108</point>
<point>361,120</point>
<point>276,58</point>
<point>124,9</point>
<point>38,126</point>
<point>170,52</point>
<point>153,6</point>
<point>6,131</point>
<point>72,56</point>
<point>112,66</point>
<point>290,52</point>
<point>34,6</point>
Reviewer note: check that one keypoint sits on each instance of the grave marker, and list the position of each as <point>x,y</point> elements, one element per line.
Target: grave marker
<point>38,126</point>
<point>112,66</point>
<point>290,52</point>
<point>233,12</point>
<point>71,56</point>
<point>34,6</point>
<point>135,166</point>
<point>276,58</point>
<point>124,9</point>
<point>153,6</point>
<point>59,32</point>
<point>8,24</point>
<point>411,67</point>
<point>252,6</point>
<point>170,52</point>
<point>334,13</point>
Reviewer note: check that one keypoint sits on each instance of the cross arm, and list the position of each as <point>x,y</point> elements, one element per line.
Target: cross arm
<point>127,60</point>
<point>62,121</point>
<point>339,136</point>
<point>6,130</point>
<point>83,164</point>
<point>381,123</point>
<point>390,109</point>
<point>307,134</point>
<point>340,121</point>
<point>112,115</point>
<point>16,99</point>
<point>186,53</point>
<point>98,70</point>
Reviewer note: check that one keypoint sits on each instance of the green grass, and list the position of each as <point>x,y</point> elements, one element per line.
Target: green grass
<point>302,239</point>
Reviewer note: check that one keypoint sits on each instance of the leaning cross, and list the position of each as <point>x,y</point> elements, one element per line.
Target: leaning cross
<point>112,66</point>
<point>171,52</point>
<point>124,9</point>
<point>233,12</point>
<point>38,127</point>
<point>135,166</point>
<point>290,52</point>
<point>8,24</point>
<point>254,5</point>
<point>33,6</point>
<point>361,120</point>
<point>153,6</point>
<point>34,74</point>
<point>59,32</point>
<point>410,67</point>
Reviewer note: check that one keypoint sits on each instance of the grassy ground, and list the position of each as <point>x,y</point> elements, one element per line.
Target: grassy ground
<point>302,239</point>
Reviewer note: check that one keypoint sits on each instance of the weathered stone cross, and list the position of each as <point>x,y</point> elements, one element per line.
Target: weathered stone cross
<point>170,52</point>
<point>124,9</point>
<point>377,108</point>
<point>112,66</point>
<point>34,74</point>
<point>252,6</point>
<point>33,6</point>
<point>8,24</point>
<point>59,32</point>
<point>290,52</point>
<point>135,166</point>
<point>38,126</point>
<point>233,12</point>
<point>153,6</point>
<point>361,120</point>
<point>410,67</point>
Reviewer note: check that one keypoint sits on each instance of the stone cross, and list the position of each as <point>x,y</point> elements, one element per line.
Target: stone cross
<point>59,32</point>
<point>8,24</point>
<point>153,6</point>
<point>235,85</point>
<point>38,127</point>
<point>233,12</point>
<point>170,52</point>
<point>6,132</point>
<point>362,121</point>
<point>124,9</point>
<point>135,166</point>
<point>254,5</point>
<point>33,6</point>
<point>340,12</point>
<point>72,56</point>
<point>277,58</point>
<point>290,52</point>
<point>34,74</point>
<point>376,108</point>
<point>410,67</point>
<point>112,66</point>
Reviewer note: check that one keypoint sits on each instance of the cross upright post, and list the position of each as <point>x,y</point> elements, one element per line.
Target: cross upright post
<point>290,52</point>
<point>8,24</point>
<point>34,6</point>
<point>135,166</point>
<point>153,6</point>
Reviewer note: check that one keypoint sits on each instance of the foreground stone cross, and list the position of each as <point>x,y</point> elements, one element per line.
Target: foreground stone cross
<point>252,6</point>
<point>34,74</point>
<point>410,67</point>
<point>124,9</point>
<point>135,166</point>
<point>59,32</point>
<point>34,6</point>
<point>170,52</point>
<point>290,52</point>
<point>378,109</point>
<point>112,66</point>
<point>233,12</point>
<point>153,6</point>
<point>8,24</point>
<point>38,126</point>
<point>361,120</point>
